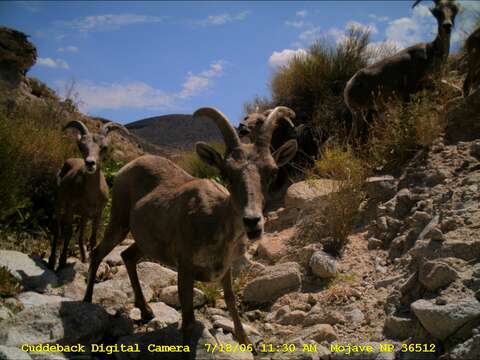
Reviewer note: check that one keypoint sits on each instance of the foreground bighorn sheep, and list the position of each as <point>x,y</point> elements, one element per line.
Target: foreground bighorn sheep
<point>472,48</point>
<point>405,72</point>
<point>82,189</point>
<point>194,225</point>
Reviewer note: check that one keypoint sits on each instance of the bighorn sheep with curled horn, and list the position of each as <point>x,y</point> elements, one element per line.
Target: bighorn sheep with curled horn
<point>405,72</point>
<point>194,225</point>
<point>82,189</point>
<point>472,48</point>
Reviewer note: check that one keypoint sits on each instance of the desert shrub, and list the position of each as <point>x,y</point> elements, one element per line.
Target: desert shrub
<point>258,104</point>
<point>9,285</point>
<point>332,223</point>
<point>212,291</point>
<point>192,164</point>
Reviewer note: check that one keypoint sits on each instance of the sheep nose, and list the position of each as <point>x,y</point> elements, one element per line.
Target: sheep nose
<point>251,221</point>
<point>90,163</point>
<point>447,26</point>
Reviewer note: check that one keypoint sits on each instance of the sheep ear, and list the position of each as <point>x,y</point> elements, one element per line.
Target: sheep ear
<point>209,155</point>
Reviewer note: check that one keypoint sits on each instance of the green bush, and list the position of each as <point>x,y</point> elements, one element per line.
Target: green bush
<point>192,164</point>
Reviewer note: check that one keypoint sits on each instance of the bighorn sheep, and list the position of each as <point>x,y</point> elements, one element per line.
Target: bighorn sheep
<point>194,225</point>
<point>405,72</point>
<point>472,48</point>
<point>82,189</point>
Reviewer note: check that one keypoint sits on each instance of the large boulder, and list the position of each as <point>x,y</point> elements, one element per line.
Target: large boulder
<point>13,353</point>
<point>164,315</point>
<point>442,321</point>
<point>31,271</point>
<point>63,322</point>
<point>273,282</point>
<point>304,193</point>
<point>274,246</point>
<point>318,333</point>
<point>30,298</point>
<point>436,274</point>
<point>381,188</point>
<point>469,349</point>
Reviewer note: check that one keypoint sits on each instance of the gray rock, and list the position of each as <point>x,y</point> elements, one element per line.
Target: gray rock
<point>443,320</point>
<point>164,315</point>
<point>30,298</point>
<point>354,316</point>
<point>398,328</point>
<point>318,333</point>
<point>5,313</point>
<point>374,243</point>
<point>469,349</point>
<point>323,265</point>
<point>152,274</point>
<point>31,271</point>
<point>273,282</point>
<point>435,275</point>
<point>225,339</point>
<point>115,256</point>
<point>66,322</point>
<point>388,281</point>
<point>294,317</point>
<point>112,297</point>
<point>169,295</point>
<point>227,325</point>
<point>304,193</point>
<point>13,353</point>
<point>381,188</point>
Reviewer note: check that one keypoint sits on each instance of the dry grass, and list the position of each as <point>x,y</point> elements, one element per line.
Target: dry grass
<point>9,285</point>
<point>192,164</point>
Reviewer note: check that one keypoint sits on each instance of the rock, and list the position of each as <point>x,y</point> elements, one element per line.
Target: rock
<point>398,328</point>
<point>304,193</point>
<point>436,234</point>
<point>331,318</point>
<point>294,317</point>
<point>227,339</point>
<point>167,336</point>
<point>227,325</point>
<point>125,286</point>
<point>362,351</point>
<point>30,298</point>
<point>31,271</point>
<point>388,281</point>
<point>404,202</point>
<point>469,349</point>
<point>110,296</point>
<point>323,265</point>
<point>66,322</point>
<point>273,282</point>
<point>475,150</point>
<point>397,247</point>
<point>75,289</point>
<point>374,243</point>
<point>443,320</point>
<point>152,274</point>
<point>5,313</point>
<point>435,275</point>
<point>115,256</point>
<point>354,316</point>
<point>319,333</point>
<point>169,296</point>
<point>164,315</point>
<point>13,353</point>
<point>381,188</point>
<point>274,246</point>
<point>464,115</point>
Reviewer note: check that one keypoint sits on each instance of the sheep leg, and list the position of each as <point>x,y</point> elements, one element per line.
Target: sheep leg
<point>81,245</point>
<point>185,293</point>
<point>130,257</point>
<point>232,308</point>
<point>113,236</point>
<point>67,230</point>
<point>95,223</point>
<point>56,234</point>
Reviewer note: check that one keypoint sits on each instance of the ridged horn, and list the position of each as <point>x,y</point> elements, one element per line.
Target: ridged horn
<point>75,124</point>
<point>111,126</point>
<point>230,136</point>
<point>264,137</point>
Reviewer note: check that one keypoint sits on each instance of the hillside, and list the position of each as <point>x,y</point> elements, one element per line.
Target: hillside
<point>175,131</point>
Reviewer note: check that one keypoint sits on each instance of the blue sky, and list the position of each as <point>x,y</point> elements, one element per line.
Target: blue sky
<point>131,60</point>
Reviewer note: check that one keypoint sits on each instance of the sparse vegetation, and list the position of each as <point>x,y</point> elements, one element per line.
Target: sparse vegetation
<point>212,291</point>
<point>9,285</point>
<point>192,164</point>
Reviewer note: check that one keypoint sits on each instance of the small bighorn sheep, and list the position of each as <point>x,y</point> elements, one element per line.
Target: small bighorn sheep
<point>194,225</point>
<point>472,49</point>
<point>405,72</point>
<point>82,189</point>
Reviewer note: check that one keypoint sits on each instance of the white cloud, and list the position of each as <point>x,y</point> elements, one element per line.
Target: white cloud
<point>296,24</point>
<point>378,18</point>
<point>72,49</point>
<point>195,84</point>
<point>301,13</point>
<point>138,94</point>
<point>335,34</point>
<point>279,58</point>
<point>310,35</point>
<point>51,63</point>
<point>222,19</point>
<point>108,22</point>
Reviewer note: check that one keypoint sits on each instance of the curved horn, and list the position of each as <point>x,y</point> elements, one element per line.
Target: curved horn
<point>230,136</point>
<point>280,112</point>
<point>110,126</point>
<point>416,3</point>
<point>76,124</point>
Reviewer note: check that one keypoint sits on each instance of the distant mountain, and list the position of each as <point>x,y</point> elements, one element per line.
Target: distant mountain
<point>175,131</point>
